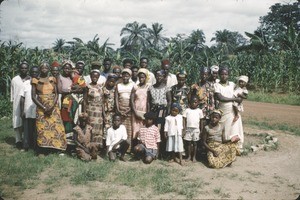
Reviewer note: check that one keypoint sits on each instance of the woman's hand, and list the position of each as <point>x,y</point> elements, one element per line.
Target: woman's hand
<point>236,117</point>
<point>215,153</point>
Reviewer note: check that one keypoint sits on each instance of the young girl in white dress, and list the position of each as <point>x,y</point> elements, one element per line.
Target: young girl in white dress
<point>173,133</point>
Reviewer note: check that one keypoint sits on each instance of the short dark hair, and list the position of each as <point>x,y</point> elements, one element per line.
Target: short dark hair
<point>107,59</point>
<point>144,58</point>
<point>117,115</point>
<point>150,115</point>
<point>24,62</point>
<point>127,60</point>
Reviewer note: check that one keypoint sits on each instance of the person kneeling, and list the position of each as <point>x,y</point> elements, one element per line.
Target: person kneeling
<point>85,149</point>
<point>116,140</point>
<point>149,138</point>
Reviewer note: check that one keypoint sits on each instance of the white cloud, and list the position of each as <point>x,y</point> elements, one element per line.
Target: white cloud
<point>40,23</point>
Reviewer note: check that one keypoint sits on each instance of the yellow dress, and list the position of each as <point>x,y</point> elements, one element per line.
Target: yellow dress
<point>50,129</point>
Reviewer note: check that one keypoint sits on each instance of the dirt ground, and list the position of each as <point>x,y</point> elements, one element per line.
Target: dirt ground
<point>260,175</point>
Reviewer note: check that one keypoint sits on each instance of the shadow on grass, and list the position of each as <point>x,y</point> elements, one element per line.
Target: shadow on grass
<point>9,140</point>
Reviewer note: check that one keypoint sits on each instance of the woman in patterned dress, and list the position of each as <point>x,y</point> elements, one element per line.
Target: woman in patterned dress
<point>50,128</point>
<point>122,100</point>
<point>221,152</point>
<point>93,106</point>
<point>159,98</point>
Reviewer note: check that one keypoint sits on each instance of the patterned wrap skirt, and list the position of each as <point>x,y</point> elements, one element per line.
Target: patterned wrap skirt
<point>50,129</point>
<point>227,154</point>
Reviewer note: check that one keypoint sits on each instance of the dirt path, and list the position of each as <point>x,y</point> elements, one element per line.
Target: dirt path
<point>274,113</point>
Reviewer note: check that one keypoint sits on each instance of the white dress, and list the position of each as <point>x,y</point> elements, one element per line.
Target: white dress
<point>174,126</point>
<point>231,129</point>
<point>15,90</point>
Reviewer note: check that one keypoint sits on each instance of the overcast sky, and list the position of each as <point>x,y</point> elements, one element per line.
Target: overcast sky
<point>41,22</point>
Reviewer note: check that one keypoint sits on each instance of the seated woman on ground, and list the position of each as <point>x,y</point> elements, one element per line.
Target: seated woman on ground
<point>221,153</point>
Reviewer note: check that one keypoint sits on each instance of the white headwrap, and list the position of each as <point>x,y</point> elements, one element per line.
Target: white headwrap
<point>243,78</point>
<point>214,68</point>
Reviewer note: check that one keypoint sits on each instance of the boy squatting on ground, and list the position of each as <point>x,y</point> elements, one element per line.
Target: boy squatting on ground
<point>149,138</point>
<point>85,149</point>
<point>116,140</point>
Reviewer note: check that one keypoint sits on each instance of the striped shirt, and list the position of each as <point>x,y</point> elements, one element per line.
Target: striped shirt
<point>149,136</point>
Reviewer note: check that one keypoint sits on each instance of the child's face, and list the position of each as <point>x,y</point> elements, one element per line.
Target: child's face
<point>111,82</point>
<point>116,122</point>
<point>204,76</point>
<point>149,122</point>
<point>242,83</point>
<point>94,77</point>
<point>44,69</point>
<point>194,103</point>
<point>82,122</point>
<point>125,77</point>
<point>80,68</point>
<point>214,75</point>
<point>55,71</point>
<point>142,78</point>
<point>67,70</point>
<point>174,111</point>
<point>117,71</point>
<point>181,81</point>
<point>223,76</point>
<point>215,118</point>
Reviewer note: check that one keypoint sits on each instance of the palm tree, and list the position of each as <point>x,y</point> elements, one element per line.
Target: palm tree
<point>155,38</point>
<point>228,41</point>
<point>59,45</point>
<point>134,37</point>
<point>196,40</point>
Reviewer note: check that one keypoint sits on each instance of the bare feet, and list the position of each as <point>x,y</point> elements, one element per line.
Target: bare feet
<point>123,159</point>
<point>235,138</point>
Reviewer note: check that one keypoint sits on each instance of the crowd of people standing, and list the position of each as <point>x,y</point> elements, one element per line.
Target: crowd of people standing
<point>117,110</point>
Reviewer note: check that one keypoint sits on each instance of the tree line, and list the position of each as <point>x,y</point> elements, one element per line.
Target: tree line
<point>270,56</point>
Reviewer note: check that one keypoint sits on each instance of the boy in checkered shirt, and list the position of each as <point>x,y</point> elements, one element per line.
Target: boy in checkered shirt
<point>149,138</point>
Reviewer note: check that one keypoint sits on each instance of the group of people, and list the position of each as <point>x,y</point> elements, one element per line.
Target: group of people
<point>128,109</point>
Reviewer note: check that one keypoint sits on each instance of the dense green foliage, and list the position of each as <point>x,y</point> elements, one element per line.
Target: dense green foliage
<point>270,60</point>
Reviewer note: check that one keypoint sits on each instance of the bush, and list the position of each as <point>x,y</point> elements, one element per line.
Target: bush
<point>5,107</point>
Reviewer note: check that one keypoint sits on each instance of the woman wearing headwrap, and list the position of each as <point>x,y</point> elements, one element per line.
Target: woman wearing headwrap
<point>68,103</point>
<point>221,152</point>
<point>93,106</point>
<point>204,90</point>
<point>50,129</point>
<point>180,91</point>
<point>160,98</point>
<point>224,92</point>
<point>122,100</point>
<point>139,101</point>
<point>214,74</point>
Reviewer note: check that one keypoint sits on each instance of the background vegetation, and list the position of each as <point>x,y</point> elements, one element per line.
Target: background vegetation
<point>270,56</point>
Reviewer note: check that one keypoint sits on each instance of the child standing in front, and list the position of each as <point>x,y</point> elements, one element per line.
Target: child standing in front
<point>116,140</point>
<point>173,133</point>
<point>193,117</point>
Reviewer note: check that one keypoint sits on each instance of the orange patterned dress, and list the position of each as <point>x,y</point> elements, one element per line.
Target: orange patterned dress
<point>50,129</point>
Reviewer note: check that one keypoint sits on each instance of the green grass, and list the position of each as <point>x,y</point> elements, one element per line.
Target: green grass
<point>271,126</point>
<point>288,99</point>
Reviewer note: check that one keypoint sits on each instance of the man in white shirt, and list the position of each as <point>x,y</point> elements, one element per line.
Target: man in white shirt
<point>116,140</point>
<point>28,111</point>
<point>15,89</point>
<point>171,79</point>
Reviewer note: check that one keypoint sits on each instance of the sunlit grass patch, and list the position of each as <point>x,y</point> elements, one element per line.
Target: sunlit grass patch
<point>288,99</point>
